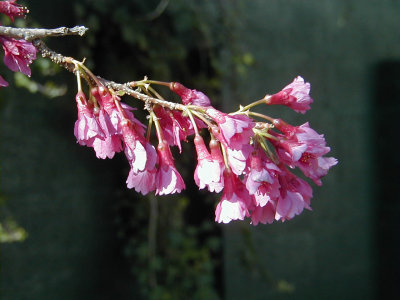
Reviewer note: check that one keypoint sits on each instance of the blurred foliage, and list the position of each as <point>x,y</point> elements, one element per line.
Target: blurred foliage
<point>169,258</point>
<point>10,231</point>
<point>250,261</point>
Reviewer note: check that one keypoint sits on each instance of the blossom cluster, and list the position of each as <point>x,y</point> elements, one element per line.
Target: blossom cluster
<point>247,160</point>
<point>18,54</point>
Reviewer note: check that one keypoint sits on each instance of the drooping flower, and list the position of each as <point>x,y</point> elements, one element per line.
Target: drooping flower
<point>134,146</point>
<point>295,196</point>
<point>263,214</point>
<point>295,95</point>
<point>12,9</point>
<point>209,170</point>
<point>144,181</point>
<point>168,179</point>
<point>19,54</point>
<point>262,178</point>
<point>175,126</point>
<point>303,147</point>
<point>112,143</point>
<point>87,128</point>
<point>189,96</point>
<point>3,82</point>
<point>234,130</point>
<point>235,201</point>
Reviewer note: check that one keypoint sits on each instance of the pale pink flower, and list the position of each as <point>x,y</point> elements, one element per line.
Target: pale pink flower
<point>3,82</point>
<point>235,201</point>
<point>295,95</point>
<point>303,147</point>
<point>295,196</point>
<point>234,133</point>
<point>134,146</point>
<point>264,214</point>
<point>108,146</point>
<point>260,169</point>
<point>168,179</point>
<point>12,9</point>
<point>19,54</point>
<point>144,181</point>
<point>189,96</point>
<point>262,178</point>
<point>209,172</point>
<point>235,130</point>
<point>237,158</point>
<point>87,128</point>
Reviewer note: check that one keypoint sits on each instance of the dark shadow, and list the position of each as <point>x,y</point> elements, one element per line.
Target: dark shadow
<point>386,122</point>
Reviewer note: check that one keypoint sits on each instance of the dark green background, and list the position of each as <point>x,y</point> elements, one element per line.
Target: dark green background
<point>346,248</point>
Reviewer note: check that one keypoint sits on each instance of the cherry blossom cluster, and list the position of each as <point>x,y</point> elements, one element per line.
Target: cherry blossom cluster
<point>247,160</point>
<point>18,54</point>
<point>245,155</point>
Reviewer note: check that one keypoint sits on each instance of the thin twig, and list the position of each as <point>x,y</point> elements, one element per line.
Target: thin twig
<point>67,63</point>
<point>30,34</point>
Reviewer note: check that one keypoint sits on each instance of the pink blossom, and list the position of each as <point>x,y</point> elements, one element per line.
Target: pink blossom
<point>235,201</point>
<point>87,128</point>
<point>108,146</point>
<point>295,196</point>
<point>209,171</point>
<point>168,179</point>
<point>295,95</point>
<point>303,147</point>
<point>11,9</point>
<point>262,178</point>
<point>237,158</point>
<point>234,130</point>
<point>175,126</point>
<point>19,54</point>
<point>3,82</point>
<point>144,181</point>
<point>189,96</point>
<point>264,214</point>
<point>134,146</point>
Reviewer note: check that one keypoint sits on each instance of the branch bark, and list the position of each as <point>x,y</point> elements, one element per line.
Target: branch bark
<point>30,34</point>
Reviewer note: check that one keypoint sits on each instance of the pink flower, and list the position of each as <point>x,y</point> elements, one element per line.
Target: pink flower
<point>209,170</point>
<point>135,150</point>
<point>235,130</point>
<point>111,143</point>
<point>295,196</point>
<point>87,128</point>
<point>264,214</point>
<point>295,95</point>
<point>19,54</point>
<point>175,126</point>
<point>302,147</point>
<point>262,178</point>
<point>237,158</point>
<point>144,181</point>
<point>235,201</point>
<point>11,9</point>
<point>168,179</point>
<point>189,96</point>
<point>3,82</point>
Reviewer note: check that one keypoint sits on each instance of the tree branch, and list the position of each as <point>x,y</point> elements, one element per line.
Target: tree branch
<point>67,63</point>
<point>30,34</point>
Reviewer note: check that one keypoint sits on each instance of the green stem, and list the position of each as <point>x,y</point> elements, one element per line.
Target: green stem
<point>261,116</point>
<point>193,121</point>
<point>255,103</point>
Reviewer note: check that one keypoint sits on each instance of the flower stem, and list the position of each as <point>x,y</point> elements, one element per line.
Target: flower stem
<point>255,103</point>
